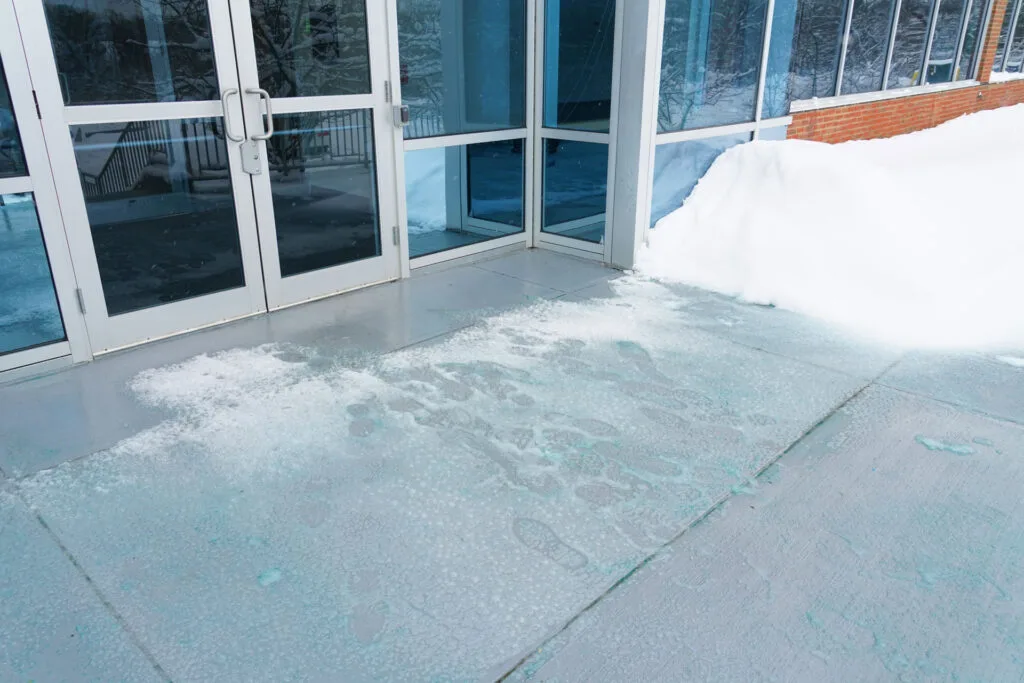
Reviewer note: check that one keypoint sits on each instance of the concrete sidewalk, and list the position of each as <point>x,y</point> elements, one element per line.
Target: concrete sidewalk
<point>450,478</point>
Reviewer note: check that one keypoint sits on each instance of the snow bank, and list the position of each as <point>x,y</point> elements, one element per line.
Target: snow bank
<point>916,240</point>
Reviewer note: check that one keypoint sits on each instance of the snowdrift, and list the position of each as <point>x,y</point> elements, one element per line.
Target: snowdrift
<point>916,241</point>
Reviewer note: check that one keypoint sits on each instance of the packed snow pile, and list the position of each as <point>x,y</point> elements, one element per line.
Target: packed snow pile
<point>916,240</point>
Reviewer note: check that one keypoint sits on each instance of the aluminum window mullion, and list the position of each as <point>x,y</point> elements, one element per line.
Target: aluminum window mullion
<point>965,21</point>
<point>843,47</point>
<point>892,43</point>
<point>1010,36</point>
<point>932,21</point>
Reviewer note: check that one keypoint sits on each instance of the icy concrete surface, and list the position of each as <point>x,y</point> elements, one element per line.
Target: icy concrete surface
<point>298,510</point>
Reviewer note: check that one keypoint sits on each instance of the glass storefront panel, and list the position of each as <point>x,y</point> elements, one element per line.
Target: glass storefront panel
<point>1004,37</point>
<point>306,49</point>
<point>965,69</point>
<point>948,23</point>
<point>710,62</point>
<point>870,28</point>
<point>111,51</point>
<point>29,312</point>
<point>464,194</point>
<point>679,166</point>
<point>911,36</point>
<point>463,65</point>
<point>806,42</point>
<point>1015,58</point>
<point>12,158</point>
<point>161,210</point>
<point>575,189</point>
<point>324,187</point>
<point>578,57</point>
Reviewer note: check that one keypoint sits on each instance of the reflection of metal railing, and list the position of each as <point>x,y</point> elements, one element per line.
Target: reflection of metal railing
<point>424,126</point>
<point>147,148</point>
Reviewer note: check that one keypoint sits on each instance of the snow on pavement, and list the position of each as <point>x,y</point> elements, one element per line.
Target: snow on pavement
<point>915,241</point>
<point>433,514</point>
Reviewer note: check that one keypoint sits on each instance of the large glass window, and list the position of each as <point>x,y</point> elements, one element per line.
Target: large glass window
<point>12,159</point>
<point>969,53</point>
<point>305,49</point>
<point>678,166</point>
<point>1015,53</point>
<point>710,62</point>
<point>29,313</point>
<point>463,195</point>
<point>578,55</point>
<point>463,65</point>
<point>868,46</point>
<point>1004,34</point>
<point>806,42</point>
<point>161,208</point>
<point>911,39</point>
<point>111,51</point>
<point>575,189</point>
<point>946,37</point>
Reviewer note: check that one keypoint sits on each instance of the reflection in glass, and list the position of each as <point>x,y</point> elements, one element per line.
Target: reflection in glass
<point>463,65</point>
<point>308,48</point>
<point>462,195</point>
<point>575,189</point>
<point>678,166</point>
<point>12,159</point>
<point>323,182</point>
<point>911,36</point>
<point>966,67</point>
<point>132,50</point>
<point>948,22</point>
<point>709,69</point>
<point>1004,38</point>
<point>29,313</point>
<point>161,209</point>
<point>1015,55</point>
<point>578,53</point>
<point>866,50</point>
<point>803,61</point>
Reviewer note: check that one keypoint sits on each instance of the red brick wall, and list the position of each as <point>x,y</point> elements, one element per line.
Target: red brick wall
<point>906,114</point>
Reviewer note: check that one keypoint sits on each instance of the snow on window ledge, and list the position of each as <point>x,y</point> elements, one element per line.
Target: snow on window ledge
<point>861,98</point>
<point>1003,77</point>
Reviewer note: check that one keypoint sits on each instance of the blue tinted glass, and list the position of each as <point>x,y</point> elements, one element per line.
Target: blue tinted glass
<point>323,183</point>
<point>12,160</point>
<point>948,22</point>
<point>462,195</point>
<point>161,209</point>
<point>29,314</point>
<point>1004,37</point>
<point>575,189</point>
<point>678,167</point>
<point>804,55</point>
<point>965,69</point>
<point>866,50</point>
<point>463,65</point>
<point>710,62</point>
<point>578,52</point>
<point>908,50</point>
<point>1015,55</point>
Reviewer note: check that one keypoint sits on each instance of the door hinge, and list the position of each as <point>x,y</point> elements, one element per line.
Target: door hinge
<point>394,235</point>
<point>81,300</point>
<point>39,112</point>
<point>387,91</point>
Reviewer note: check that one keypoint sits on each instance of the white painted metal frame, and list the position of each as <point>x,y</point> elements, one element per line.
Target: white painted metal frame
<point>111,332</point>
<point>525,236</point>
<point>286,291</point>
<point>40,183</point>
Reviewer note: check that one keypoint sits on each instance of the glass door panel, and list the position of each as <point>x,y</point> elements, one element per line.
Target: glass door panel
<point>312,83</point>
<point>142,111</point>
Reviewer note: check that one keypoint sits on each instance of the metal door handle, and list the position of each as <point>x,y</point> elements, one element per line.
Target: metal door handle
<point>401,115</point>
<point>266,135</point>
<point>227,115</point>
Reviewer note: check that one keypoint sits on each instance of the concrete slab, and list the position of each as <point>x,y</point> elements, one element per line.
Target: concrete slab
<point>431,515</point>
<point>53,627</point>
<point>887,546</point>
<point>550,269</point>
<point>982,383</point>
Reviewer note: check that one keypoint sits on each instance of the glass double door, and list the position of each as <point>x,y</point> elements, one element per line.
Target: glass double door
<point>215,159</point>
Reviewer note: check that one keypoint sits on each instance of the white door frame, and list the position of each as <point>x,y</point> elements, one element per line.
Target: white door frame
<point>40,183</point>
<point>111,332</point>
<point>286,291</point>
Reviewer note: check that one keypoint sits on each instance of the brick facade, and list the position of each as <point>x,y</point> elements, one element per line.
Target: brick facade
<point>886,118</point>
